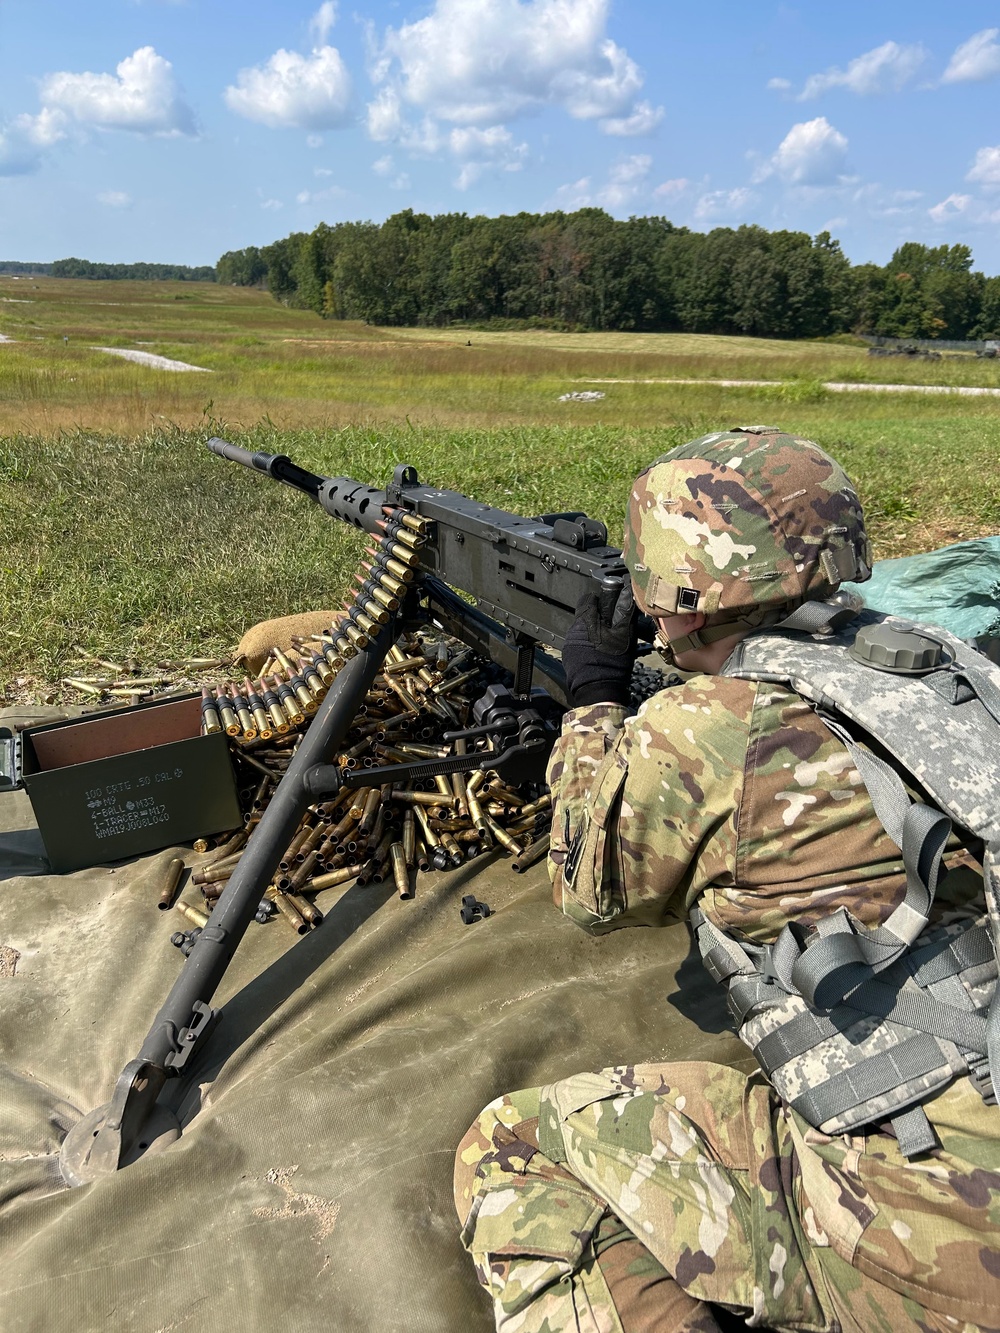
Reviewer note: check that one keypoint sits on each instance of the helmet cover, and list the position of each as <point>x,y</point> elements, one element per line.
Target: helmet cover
<point>740,523</point>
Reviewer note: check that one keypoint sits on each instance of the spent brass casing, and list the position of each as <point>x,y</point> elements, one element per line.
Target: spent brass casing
<point>305,909</point>
<point>293,917</point>
<point>213,889</point>
<point>303,872</point>
<point>475,781</point>
<point>477,816</point>
<point>536,807</point>
<point>503,837</point>
<point>288,859</point>
<point>333,878</point>
<point>370,812</point>
<point>404,664</point>
<point>453,682</point>
<point>171,879</point>
<point>409,835</point>
<point>452,848</point>
<point>531,855</point>
<point>444,787</point>
<point>191,913</point>
<point>400,872</point>
<point>430,837</point>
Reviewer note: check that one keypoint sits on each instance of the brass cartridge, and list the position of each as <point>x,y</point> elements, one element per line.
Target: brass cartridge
<point>409,836</point>
<point>322,666</point>
<point>243,713</point>
<point>334,877</point>
<point>305,696</point>
<point>261,720</point>
<point>210,720</point>
<point>397,568</point>
<point>503,837</point>
<point>193,914</point>
<point>227,713</point>
<point>477,816</point>
<point>453,682</point>
<point>455,854</point>
<point>475,781</point>
<point>355,635</point>
<point>390,602</point>
<point>316,682</point>
<point>289,702</point>
<point>291,915</point>
<point>171,879</point>
<point>412,521</point>
<point>305,909</point>
<point>531,855</point>
<point>400,873</point>
<point>274,708</point>
<point>370,812</point>
<point>283,661</point>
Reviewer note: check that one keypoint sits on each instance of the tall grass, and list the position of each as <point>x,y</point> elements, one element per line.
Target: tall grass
<point>124,536</point>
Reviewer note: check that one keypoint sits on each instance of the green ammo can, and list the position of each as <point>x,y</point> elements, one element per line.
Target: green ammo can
<point>112,785</point>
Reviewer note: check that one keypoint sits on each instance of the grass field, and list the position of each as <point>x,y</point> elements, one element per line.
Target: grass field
<point>125,537</point>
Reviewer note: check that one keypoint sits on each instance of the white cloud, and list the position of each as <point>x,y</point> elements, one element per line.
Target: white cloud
<point>885,69</point>
<point>723,203</point>
<point>976,59</point>
<point>951,207</point>
<point>626,180</point>
<point>293,91</point>
<point>479,62</point>
<point>481,150</point>
<point>643,120</point>
<point>986,168</point>
<point>383,166</point>
<point>141,96</point>
<point>811,153</point>
<point>24,140</point>
<point>672,188</point>
<point>322,171</point>
<point>573,196</point>
<point>779,85</point>
<point>272,205</point>
<point>114,199</point>
<point>314,141</point>
<point>322,22</point>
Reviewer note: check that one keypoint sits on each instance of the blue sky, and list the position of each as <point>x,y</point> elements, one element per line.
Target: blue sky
<point>173,130</point>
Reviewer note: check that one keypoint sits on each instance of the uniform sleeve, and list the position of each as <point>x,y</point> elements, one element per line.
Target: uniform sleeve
<point>644,807</point>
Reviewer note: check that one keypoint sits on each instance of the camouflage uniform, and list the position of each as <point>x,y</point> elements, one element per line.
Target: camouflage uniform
<point>625,1200</point>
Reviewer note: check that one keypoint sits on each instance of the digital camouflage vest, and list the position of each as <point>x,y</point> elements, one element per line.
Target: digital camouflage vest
<point>856,1025</point>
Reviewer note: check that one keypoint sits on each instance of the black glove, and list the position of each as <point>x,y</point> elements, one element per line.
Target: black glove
<point>600,648</point>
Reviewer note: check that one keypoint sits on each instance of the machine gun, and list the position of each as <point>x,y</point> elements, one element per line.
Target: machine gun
<point>527,575</point>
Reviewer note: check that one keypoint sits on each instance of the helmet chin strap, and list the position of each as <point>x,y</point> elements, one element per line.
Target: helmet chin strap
<point>701,638</point>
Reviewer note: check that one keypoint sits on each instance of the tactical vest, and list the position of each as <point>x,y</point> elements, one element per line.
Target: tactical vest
<point>854,1025</point>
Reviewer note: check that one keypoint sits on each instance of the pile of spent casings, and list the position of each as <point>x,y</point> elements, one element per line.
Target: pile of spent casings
<point>427,686</point>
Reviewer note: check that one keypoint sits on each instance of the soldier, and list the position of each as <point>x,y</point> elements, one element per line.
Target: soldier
<point>651,1197</point>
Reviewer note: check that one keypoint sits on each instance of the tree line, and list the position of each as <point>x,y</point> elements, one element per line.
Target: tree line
<point>85,268</point>
<point>587,270</point>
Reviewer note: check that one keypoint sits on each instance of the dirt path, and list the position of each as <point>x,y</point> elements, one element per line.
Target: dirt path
<point>834,386</point>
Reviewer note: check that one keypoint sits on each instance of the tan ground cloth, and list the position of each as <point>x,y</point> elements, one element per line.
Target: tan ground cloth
<point>311,1188</point>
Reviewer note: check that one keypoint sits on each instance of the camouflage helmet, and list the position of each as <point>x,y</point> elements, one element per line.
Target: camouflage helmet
<point>743,525</point>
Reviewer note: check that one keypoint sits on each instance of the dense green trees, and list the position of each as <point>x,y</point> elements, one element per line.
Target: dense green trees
<point>84,268</point>
<point>587,270</point>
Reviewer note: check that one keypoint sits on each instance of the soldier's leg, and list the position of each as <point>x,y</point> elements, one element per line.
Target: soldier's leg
<point>552,1254</point>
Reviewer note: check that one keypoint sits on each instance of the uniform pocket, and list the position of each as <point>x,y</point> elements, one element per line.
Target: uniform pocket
<point>594,871</point>
<point>529,1238</point>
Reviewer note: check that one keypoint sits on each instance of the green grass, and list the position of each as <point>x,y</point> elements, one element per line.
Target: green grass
<point>125,537</point>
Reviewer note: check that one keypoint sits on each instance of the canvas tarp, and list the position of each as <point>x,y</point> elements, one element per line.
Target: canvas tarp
<point>311,1186</point>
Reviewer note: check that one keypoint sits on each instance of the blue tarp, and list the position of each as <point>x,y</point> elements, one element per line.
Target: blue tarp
<point>956,588</point>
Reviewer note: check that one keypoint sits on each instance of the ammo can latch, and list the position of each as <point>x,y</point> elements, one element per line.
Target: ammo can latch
<point>10,760</point>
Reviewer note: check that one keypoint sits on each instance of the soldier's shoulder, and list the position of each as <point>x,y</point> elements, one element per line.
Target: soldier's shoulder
<point>705,700</point>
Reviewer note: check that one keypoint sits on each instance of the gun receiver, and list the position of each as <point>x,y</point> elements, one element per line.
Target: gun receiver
<point>527,575</point>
